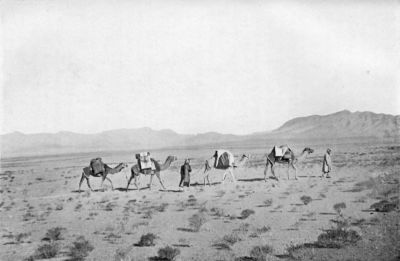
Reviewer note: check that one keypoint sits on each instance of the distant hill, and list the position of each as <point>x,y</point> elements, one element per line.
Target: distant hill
<point>343,124</point>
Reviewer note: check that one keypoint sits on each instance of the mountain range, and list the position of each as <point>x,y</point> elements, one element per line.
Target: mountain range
<point>343,124</point>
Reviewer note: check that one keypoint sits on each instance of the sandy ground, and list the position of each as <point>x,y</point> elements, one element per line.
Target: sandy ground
<point>38,194</point>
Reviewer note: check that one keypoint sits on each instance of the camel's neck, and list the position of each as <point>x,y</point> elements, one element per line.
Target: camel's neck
<point>303,155</point>
<point>242,161</point>
<point>116,169</point>
<point>166,164</point>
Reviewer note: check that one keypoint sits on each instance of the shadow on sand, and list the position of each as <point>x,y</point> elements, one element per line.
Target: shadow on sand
<point>131,189</point>
<point>251,180</point>
<point>84,191</point>
<point>202,184</point>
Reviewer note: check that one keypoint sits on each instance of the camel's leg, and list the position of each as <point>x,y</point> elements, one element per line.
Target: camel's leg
<point>137,182</point>
<point>129,181</point>
<point>205,176</point>
<point>273,171</point>
<point>233,176</point>
<point>223,177</point>
<point>208,180</point>
<point>109,180</point>
<point>80,182</point>
<point>266,171</point>
<point>102,181</point>
<point>295,171</point>
<point>288,170</point>
<point>159,178</point>
<point>151,181</point>
<point>87,181</point>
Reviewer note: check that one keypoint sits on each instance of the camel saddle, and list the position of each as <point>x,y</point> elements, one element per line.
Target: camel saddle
<point>282,151</point>
<point>97,166</point>
<point>223,159</point>
<point>145,162</point>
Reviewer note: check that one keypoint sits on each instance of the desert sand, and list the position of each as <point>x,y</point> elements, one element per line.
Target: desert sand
<point>217,222</point>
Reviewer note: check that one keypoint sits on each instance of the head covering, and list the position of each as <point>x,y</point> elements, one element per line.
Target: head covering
<point>328,150</point>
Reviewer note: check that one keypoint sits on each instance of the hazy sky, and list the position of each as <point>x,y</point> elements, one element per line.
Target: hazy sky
<point>194,66</point>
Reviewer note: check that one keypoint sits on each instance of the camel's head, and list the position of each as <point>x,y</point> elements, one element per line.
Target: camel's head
<point>309,150</point>
<point>172,158</point>
<point>123,165</point>
<point>244,156</point>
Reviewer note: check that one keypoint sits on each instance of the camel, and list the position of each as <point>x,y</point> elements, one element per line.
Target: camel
<point>135,172</point>
<point>289,158</point>
<point>228,168</point>
<point>108,170</point>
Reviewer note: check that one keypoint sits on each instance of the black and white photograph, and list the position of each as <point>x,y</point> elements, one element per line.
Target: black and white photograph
<point>215,130</point>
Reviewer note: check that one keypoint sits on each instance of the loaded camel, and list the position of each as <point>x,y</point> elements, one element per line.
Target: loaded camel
<point>86,173</point>
<point>288,158</point>
<point>227,163</point>
<point>136,171</point>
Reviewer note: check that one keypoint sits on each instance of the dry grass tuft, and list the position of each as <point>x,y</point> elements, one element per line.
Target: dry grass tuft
<point>46,251</point>
<point>121,254</point>
<point>168,253</point>
<point>306,199</point>
<point>259,253</point>
<point>197,220</point>
<point>246,213</point>
<point>80,249</point>
<point>338,207</point>
<point>231,239</point>
<point>147,240</point>
<point>54,234</point>
<point>337,238</point>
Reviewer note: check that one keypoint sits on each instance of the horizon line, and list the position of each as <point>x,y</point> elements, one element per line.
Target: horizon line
<point>168,129</point>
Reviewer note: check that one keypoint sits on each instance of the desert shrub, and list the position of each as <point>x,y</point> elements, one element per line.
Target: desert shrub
<point>27,216</point>
<point>196,221</point>
<point>338,207</point>
<point>268,202</point>
<point>121,254</point>
<point>168,253</point>
<point>263,229</point>
<point>46,251</point>
<point>260,252</point>
<point>291,249</point>
<point>253,235</point>
<point>54,234</point>
<point>109,206</point>
<point>337,238</point>
<point>243,228</point>
<point>219,212</point>
<point>384,206</point>
<point>220,245</point>
<point>148,214</point>
<point>306,199</point>
<point>231,239</point>
<point>162,207</point>
<point>246,213</point>
<point>80,249</point>
<point>147,240</point>
<point>136,225</point>
<point>78,207</point>
<point>21,236</point>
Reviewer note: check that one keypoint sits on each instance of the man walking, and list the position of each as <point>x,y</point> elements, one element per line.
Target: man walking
<point>185,174</point>
<point>327,164</point>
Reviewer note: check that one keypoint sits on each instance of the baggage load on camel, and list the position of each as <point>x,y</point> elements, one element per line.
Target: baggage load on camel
<point>282,151</point>
<point>144,160</point>
<point>97,166</point>
<point>223,159</point>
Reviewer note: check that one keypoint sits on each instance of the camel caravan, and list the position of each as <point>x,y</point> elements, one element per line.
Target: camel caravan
<point>222,160</point>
